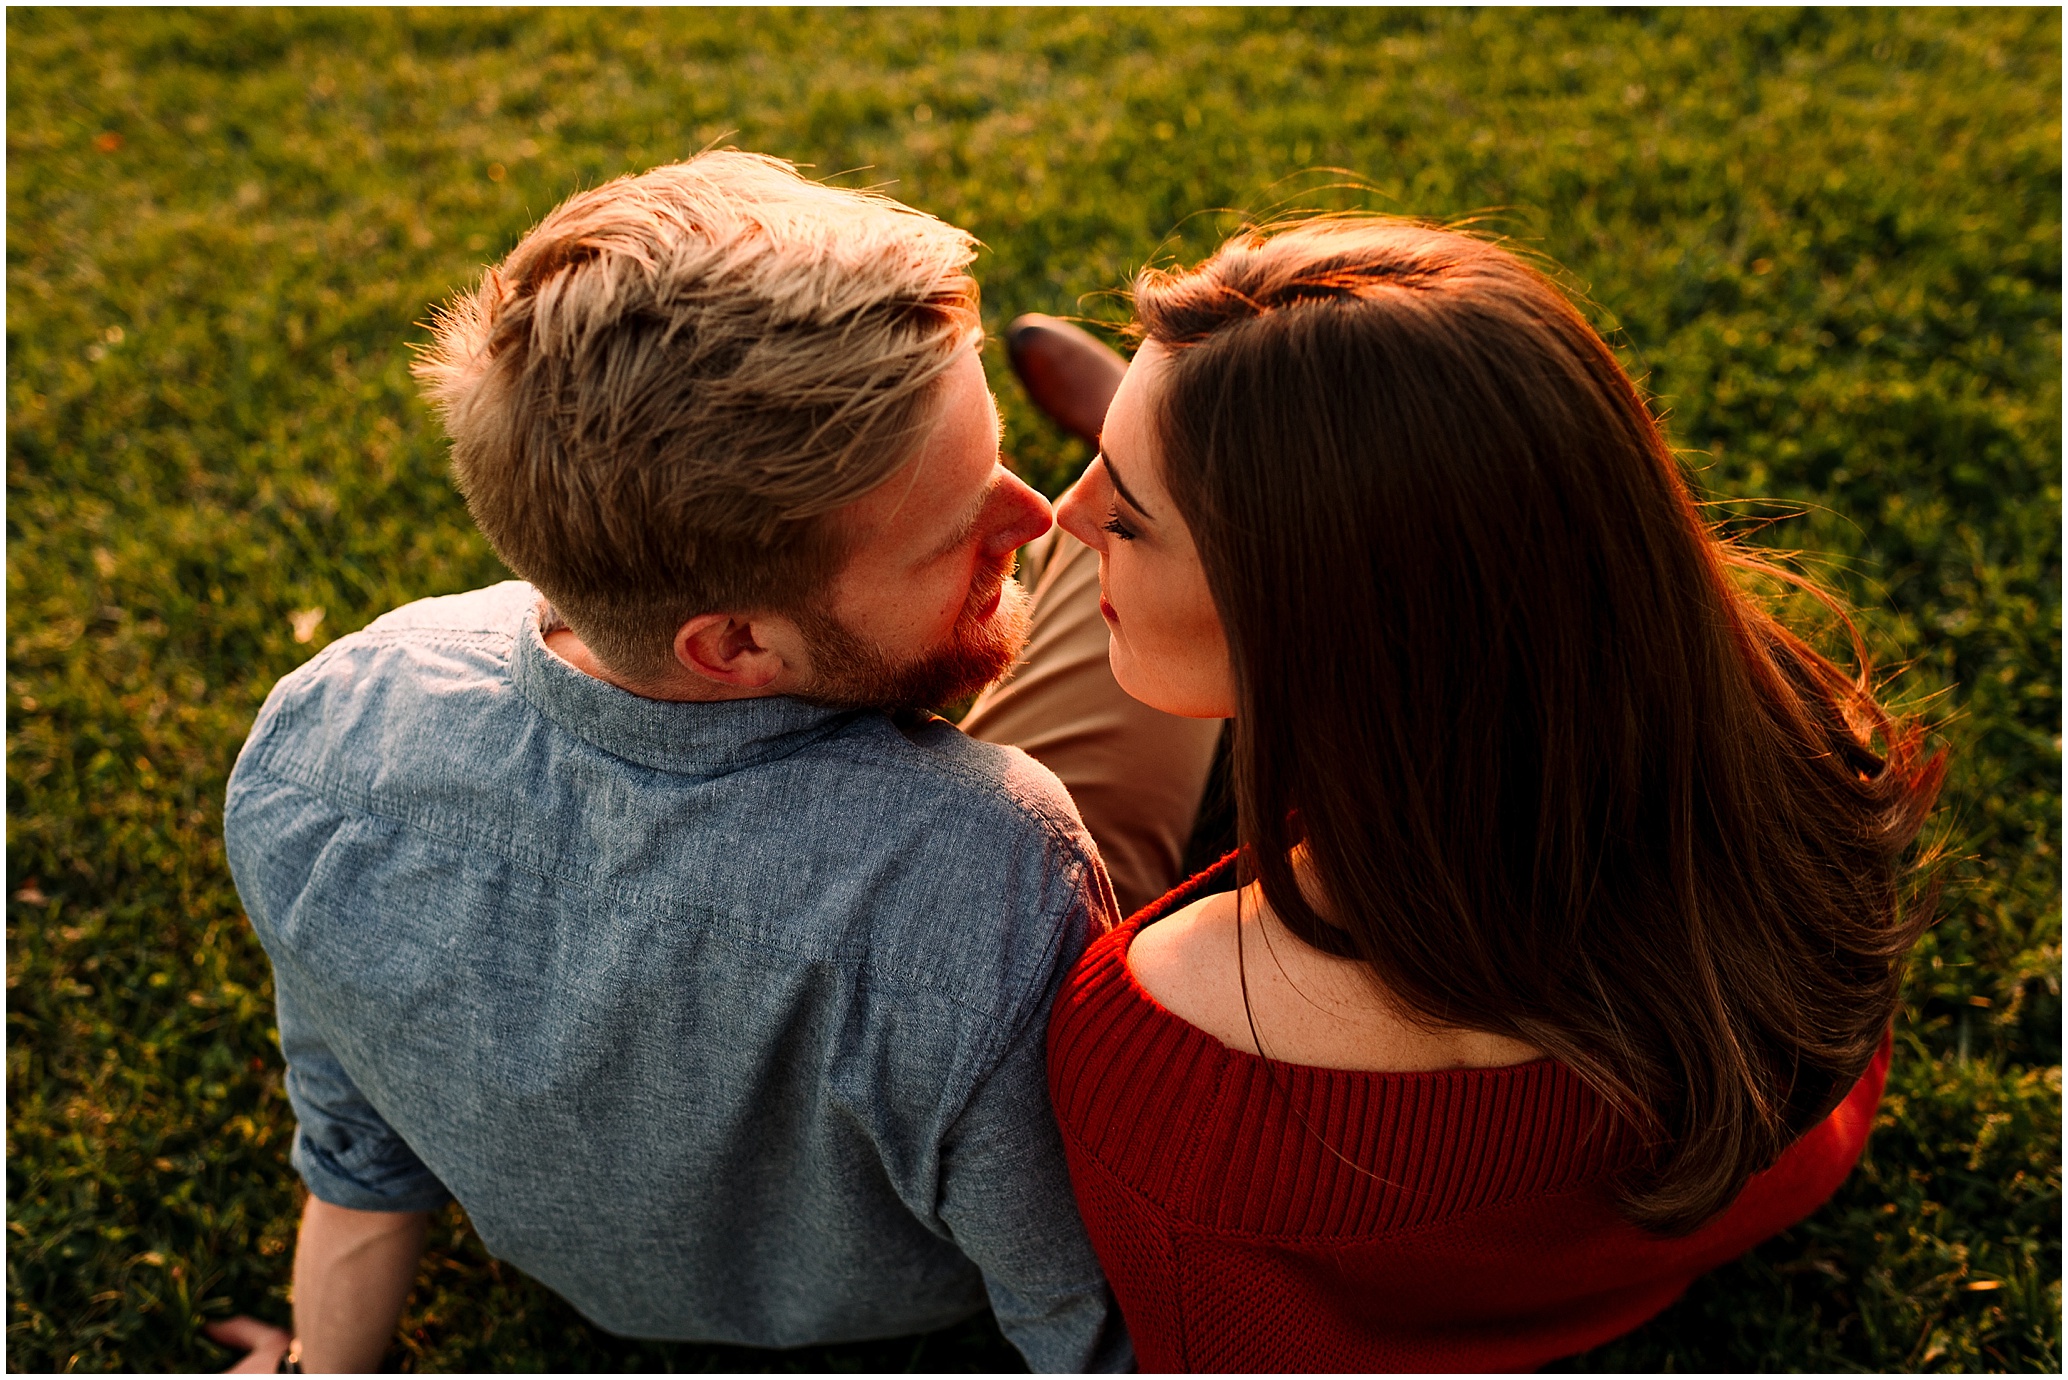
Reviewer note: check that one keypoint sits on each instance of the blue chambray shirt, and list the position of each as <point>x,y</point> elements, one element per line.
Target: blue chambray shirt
<point>725,1021</point>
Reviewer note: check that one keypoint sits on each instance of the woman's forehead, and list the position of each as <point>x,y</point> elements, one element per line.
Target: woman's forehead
<point>1134,458</point>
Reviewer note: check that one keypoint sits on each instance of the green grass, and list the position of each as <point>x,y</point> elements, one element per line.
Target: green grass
<point>1829,241</point>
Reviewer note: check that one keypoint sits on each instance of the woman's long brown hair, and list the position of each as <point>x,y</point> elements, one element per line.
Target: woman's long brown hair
<point>1559,776</point>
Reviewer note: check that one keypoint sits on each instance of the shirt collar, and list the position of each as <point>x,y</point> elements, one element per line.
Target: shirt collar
<point>693,739</point>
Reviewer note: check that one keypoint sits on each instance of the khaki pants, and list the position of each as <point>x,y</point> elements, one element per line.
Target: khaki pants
<point>1136,773</point>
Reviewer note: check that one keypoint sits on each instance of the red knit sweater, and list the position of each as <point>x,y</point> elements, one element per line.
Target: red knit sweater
<point>1483,1236</point>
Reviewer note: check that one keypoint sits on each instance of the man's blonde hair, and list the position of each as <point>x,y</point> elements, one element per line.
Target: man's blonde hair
<point>656,398</point>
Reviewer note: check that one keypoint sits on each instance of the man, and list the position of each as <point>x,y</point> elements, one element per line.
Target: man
<point>613,904</point>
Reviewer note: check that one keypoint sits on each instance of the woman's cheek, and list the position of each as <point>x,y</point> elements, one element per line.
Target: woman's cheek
<point>1142,636</point>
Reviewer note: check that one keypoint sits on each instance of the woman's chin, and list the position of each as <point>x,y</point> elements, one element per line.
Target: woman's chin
<point>1156,691</point>
<point>1124,671</point>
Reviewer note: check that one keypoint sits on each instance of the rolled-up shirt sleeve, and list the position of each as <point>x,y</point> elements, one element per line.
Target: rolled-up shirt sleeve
<point>344,1150</point>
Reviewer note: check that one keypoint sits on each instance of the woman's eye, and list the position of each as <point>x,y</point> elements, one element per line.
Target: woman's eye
<point>1114,525</point>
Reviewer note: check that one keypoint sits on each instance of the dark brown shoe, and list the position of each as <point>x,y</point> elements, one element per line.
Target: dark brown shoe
<point>1069,373</point>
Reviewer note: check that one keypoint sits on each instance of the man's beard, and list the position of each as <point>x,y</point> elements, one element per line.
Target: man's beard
<point>852,673</point>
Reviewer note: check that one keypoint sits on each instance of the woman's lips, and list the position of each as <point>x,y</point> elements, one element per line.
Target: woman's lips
<point>1106,610</point>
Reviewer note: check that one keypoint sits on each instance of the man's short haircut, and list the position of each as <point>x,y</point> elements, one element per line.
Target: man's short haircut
<point>656,398</point>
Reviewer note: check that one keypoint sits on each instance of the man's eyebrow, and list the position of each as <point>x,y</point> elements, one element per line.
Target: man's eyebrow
<point>1114,475</point>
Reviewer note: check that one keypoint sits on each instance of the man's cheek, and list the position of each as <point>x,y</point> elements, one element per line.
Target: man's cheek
<point>928,614</point>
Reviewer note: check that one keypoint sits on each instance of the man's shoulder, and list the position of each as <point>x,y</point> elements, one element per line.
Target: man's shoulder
<point>938,763</point>
<point>981,876</point>
<point>891,842</point>
<point>483,617</point>
<point>988,823</point>
<point>425,657</point>
<point>494,610</point>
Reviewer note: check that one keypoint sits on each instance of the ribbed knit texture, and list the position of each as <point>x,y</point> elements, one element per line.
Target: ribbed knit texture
<point>1257,1216</point>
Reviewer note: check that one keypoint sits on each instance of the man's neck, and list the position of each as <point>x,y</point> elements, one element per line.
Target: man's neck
<point>683,687</point>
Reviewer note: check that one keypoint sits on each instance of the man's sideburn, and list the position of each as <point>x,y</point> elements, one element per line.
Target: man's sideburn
<point>849,671</point>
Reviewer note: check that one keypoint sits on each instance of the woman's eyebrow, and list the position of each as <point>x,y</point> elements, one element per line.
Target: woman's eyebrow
<point>1120,488</point>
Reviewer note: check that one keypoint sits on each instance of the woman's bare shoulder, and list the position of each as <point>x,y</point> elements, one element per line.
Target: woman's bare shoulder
<point>1305,1006</point>
<point>1185,961</point>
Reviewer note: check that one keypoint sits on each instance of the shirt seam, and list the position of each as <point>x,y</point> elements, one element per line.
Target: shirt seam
<point>1050,824</point>
<point>865,974</point>
<point>1027,1007</point>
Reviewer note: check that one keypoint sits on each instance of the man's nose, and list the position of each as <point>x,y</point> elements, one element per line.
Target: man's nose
<point>1023,515</point>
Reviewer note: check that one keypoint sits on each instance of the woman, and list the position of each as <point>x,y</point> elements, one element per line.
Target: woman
<point>1557,962</point>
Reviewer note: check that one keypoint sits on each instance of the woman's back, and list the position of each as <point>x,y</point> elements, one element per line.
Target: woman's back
<point>1257,1215</point>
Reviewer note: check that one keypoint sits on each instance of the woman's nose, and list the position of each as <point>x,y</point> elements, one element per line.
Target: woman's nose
<point>1077,511</point>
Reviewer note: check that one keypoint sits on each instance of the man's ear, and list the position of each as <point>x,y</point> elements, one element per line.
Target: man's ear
<point>742,651</point>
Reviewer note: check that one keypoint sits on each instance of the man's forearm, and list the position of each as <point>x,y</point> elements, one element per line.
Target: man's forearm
<point>352,1273</point>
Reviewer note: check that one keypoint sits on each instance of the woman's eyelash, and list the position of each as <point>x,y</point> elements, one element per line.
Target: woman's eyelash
<point>1118,528</point>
